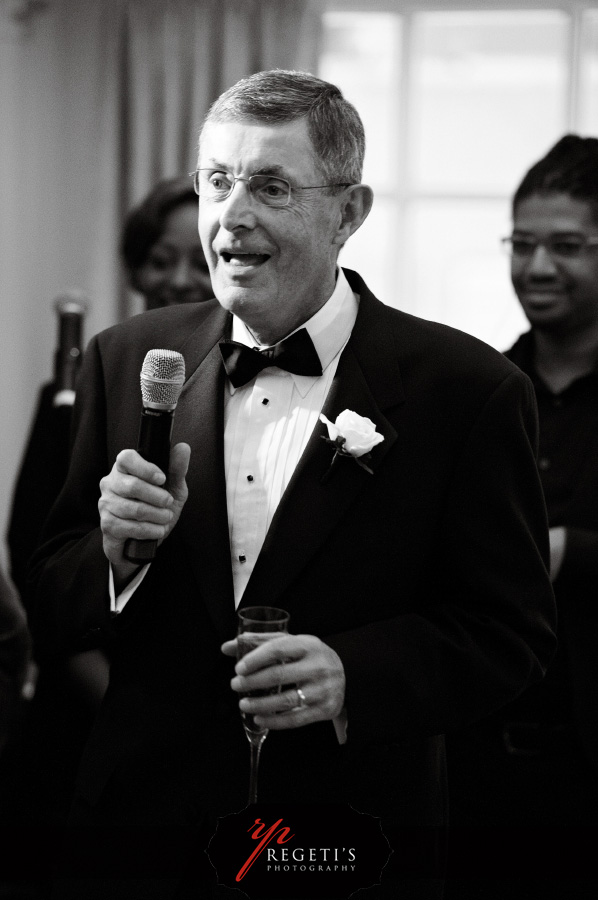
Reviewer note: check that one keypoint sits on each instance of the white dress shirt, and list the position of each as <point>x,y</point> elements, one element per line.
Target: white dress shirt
<point>267,424</point>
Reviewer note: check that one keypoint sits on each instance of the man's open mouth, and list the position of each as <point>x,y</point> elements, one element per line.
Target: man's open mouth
<point>244,259</point>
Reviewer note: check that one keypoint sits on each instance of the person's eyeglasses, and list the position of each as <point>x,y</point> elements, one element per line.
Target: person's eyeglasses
<point>559,246</point>
<point>211,184</point>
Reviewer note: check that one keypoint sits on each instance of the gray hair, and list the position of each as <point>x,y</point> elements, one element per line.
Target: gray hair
<point>280,96</point>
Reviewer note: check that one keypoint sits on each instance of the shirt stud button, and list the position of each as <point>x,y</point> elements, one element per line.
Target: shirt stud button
<point>250,478</point>
<point>265,401</point>
<point>242,558</point>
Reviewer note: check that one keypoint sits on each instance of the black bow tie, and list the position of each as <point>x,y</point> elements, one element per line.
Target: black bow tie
<point>295,354</point>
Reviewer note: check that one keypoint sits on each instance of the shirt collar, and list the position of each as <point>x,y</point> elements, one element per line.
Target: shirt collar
<point>329,328</point>
<point>522,354</point>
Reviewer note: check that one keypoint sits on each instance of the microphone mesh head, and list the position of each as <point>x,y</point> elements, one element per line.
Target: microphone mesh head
<point>162,379</point>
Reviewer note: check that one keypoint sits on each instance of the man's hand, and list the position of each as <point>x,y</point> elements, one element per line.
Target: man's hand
<point>139,501</point>
<point>290,662</point>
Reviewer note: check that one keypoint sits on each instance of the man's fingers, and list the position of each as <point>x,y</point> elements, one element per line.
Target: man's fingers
<point>117,530</point>
<point>285,709</point>
<point>229,648</point>
<point>179,461</point>
<point>278,702</point>
<point>177,470</point>
<point>279,650</point>
<point>138,511</point>
<point>130,462</point>
<point>118,486</point>
<point>274,676</point>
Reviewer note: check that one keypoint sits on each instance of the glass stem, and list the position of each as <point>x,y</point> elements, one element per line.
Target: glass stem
<point>256,747</point>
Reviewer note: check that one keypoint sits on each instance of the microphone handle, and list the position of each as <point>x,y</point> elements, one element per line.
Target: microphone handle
<point>67,358</point>
<point>66,366</point>
<point>155,430</point>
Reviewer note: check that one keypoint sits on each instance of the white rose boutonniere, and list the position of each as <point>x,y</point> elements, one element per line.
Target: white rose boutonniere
<point>352,436</point>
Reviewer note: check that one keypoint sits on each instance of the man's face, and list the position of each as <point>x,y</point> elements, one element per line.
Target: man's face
<point>273,267</point>
<point>556,293</point>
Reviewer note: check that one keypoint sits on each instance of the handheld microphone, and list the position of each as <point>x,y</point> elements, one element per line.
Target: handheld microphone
<point>70,308</point>
<point>162,379</point>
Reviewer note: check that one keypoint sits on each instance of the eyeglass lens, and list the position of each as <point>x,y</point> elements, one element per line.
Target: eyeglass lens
<point>267,189</point>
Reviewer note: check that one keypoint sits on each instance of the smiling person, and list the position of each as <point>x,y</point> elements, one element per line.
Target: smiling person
<point>413,565</point>
<point>535,764</point>
<point>161,247</point>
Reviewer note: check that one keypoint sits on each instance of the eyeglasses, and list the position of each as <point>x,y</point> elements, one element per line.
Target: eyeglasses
<point>211,184</point>
<point>559,246</point>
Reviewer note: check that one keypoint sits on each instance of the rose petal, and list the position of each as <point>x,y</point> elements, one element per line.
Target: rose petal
<point>333,431</point>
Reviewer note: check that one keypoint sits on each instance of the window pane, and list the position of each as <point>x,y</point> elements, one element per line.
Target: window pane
<point>361,54</point>
<point>458,271</point>
<point>589,73</point>
<point>488,95</point>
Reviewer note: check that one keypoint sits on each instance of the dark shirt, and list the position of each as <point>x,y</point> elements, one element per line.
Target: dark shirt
<point>568,463</point>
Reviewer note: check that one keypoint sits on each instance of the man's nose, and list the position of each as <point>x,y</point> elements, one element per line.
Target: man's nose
<point>238,209</point>
<point>541,264</point>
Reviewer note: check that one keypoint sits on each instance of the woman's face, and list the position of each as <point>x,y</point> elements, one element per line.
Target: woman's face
<point>175,270</point>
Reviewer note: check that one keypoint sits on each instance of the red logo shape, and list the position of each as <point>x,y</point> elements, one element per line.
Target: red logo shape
<point>290,851</point>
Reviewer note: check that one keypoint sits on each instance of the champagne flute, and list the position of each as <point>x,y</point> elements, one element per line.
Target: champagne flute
<point>256,625</point>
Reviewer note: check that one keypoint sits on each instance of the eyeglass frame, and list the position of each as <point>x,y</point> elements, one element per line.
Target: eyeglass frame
<point>291,188</point>
<point>585,241</point>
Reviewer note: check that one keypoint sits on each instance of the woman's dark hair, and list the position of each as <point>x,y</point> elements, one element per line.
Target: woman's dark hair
<point>145,223</point>
<point>570,167</point>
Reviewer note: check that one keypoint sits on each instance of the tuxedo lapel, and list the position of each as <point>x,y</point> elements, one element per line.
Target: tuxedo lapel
<point>368,382</point>
<point>199,421</point>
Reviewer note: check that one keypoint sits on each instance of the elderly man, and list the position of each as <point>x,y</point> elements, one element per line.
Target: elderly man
<point>415,577</point>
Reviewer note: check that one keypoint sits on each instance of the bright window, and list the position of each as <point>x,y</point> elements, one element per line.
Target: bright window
<point>457,104</point>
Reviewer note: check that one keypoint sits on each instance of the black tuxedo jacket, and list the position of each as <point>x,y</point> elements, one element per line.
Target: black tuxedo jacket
<point>428,576</point>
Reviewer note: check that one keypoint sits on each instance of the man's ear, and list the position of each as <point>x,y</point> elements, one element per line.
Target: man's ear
<point>356,202</point>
